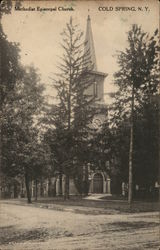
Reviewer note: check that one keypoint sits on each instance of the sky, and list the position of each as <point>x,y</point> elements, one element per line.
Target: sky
<point>38,32</point>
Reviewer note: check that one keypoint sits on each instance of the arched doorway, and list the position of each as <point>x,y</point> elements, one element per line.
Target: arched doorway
<point>98,183</point>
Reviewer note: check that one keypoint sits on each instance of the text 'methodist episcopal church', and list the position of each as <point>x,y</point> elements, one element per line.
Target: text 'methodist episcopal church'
<point>99,181</point>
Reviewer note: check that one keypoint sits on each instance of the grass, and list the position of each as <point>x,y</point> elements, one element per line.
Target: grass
<point>79,204</point>
<point>120,205</point>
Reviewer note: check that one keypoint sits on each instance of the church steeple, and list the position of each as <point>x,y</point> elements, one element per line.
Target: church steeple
<point>96,89</point>
<point>89,46</point>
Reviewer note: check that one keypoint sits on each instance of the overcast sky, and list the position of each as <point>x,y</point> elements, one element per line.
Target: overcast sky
<point>39,32</point>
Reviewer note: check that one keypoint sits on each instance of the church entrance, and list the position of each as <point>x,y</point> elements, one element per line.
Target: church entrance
<point>98,183</point>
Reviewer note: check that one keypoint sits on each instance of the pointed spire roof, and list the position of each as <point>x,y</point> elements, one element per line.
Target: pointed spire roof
<point>89,46</point>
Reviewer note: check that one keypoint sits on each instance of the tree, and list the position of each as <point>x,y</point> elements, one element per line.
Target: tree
<point>20,135</point>
<point>137,80</point>
<point>73,113</point>
<point>9,69</point>
<point>146,141</point>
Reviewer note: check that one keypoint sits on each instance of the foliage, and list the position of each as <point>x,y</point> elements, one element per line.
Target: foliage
<point>138,72</point>
<point>73,113</point>
<point>22,152</point>
<point>10,72</point>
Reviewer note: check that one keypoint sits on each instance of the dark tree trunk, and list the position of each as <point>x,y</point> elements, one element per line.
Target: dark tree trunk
<point>49,187</point>
<point>27,188</point>
<point>66,191</point>
<point>36,189</point>
<point>41,188</point>
<point>86,182</point>
<point>60,184</point>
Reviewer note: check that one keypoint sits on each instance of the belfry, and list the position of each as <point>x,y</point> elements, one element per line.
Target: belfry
<point>97,88</point>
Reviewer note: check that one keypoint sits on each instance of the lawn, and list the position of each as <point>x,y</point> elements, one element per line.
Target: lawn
<point>107,204</point>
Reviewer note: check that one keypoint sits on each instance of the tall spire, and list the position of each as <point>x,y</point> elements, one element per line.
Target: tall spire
<point>89,46</point>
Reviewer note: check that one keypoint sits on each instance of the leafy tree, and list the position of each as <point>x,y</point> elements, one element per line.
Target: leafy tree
<point>5,7</point>
<point>20,135</point>
<point>10,71</point>
<point>137,80</point>
<point>20,103</point>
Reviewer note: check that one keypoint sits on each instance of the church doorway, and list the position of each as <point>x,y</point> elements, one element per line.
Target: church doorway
<point>98,183</point>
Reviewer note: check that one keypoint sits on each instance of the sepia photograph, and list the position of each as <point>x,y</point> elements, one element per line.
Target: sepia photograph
<point>79,125</point>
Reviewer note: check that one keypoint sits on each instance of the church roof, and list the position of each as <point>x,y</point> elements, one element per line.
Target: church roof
<point>89,46</point>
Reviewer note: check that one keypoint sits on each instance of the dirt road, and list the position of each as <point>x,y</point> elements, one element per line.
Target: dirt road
<point>31,228</point>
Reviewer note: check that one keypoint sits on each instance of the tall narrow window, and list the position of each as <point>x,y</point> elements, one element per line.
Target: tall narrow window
<point>95,89</point>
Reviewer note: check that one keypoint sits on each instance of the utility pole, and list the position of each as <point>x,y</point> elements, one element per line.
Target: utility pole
<point>156,99</point>
<point>0,108</point>
<point>158,102</point>
<point>130,178</point>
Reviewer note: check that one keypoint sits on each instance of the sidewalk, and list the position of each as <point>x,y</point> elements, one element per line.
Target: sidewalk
<point>97,197</point>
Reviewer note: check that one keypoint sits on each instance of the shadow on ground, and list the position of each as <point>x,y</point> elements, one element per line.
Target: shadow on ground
<point>10,235</point>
